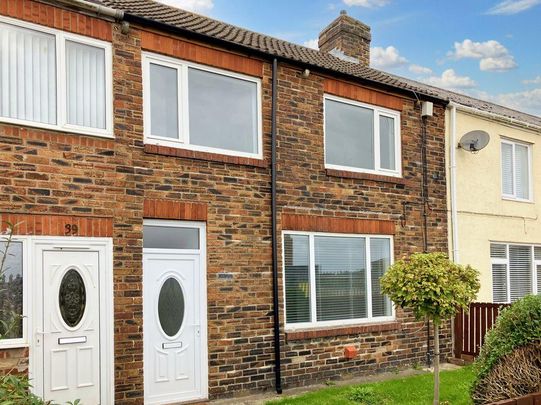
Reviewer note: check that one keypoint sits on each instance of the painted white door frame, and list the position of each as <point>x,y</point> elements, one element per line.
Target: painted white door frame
<point>202,302</point>
<point>104,246</point>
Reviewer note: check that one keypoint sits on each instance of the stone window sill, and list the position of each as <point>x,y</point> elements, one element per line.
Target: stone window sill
<point>207,156</point>
<point>315,333</point>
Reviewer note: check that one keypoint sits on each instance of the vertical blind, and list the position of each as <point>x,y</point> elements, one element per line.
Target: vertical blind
<point>514,268</point>
<point>85,85</point>
<point>515,170</point>
<point>27,74</point>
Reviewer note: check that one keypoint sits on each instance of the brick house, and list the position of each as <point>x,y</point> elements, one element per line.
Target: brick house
<point>170,239</point>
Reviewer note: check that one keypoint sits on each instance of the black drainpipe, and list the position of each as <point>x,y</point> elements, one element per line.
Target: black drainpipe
<point>276,306</point>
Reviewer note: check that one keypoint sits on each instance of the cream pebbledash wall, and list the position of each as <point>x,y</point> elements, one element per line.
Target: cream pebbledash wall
<point>483,215</point>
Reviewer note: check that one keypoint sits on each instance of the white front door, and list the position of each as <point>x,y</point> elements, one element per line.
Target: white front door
<point>71,326</point>
<point>174,315</point>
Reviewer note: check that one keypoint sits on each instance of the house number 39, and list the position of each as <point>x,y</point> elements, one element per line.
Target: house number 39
<point>71,229</point>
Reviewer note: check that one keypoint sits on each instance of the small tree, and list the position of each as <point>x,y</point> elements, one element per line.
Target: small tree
<point>435,289</point>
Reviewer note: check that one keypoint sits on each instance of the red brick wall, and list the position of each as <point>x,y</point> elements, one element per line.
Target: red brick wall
<point>56,174</point>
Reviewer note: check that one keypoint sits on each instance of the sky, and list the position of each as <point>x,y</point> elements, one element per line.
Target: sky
<point>489,49</point>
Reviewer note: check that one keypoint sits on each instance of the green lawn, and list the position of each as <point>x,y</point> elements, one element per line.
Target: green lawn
<point>415,390</point>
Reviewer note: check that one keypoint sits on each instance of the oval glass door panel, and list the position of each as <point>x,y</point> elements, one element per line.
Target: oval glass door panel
<point>171,307</point>
<point>72,298</point>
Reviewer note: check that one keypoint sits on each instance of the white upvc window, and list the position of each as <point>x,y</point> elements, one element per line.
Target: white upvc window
<point>334,279</point>
<point>361,137</point>
<point>516,271</point>
<point>13,293</point>
<point>201,108</point>
<point>516,170</point>
<point>55,80</point>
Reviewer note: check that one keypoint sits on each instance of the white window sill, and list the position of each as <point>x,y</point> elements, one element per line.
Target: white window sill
<point>520,200</point>
<point>50,127</point>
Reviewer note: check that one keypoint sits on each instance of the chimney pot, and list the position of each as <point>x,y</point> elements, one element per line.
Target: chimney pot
<point>343,12</point>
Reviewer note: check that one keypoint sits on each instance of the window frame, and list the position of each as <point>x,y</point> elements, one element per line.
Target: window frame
<point>24,340</point>
<point>183,141</point>
<point>61,37</point>
<point>513,196</point>
<point>507,262</point>
<point>378,111</point>
<point>314,324</point>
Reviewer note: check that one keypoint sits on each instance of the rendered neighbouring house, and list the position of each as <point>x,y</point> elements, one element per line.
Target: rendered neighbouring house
<point>192,197</point>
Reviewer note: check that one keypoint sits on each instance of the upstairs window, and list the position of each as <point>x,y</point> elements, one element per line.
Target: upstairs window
<point>516,271</point>
<point>516,178</point>
<point>53,79</point>
<point>361,138</point>
<point>333,279</point>
<point>201,108</point>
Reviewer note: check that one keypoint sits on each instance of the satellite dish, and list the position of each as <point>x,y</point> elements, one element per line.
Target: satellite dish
<point>474,141</point>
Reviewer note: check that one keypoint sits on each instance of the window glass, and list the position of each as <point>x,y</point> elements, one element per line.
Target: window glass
<point>507,168</point>
<point>522,171</point>
<point>171,307</point>
<point>85,81</point>
<point>27,74</point>
<point>163,101</point>
<point>349,135</point>
<point>297,278</point>
<point>11,291</point>
<point>380,258</point>
<point>340,266</point>
<point>498,250</point>
<point>520,271</point>
<point>170,237</point>
<point>222,111</point>
<point>499,282</point>
<point>387,143</point>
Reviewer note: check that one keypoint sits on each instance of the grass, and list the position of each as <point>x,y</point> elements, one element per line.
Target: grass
<point>414,390</point>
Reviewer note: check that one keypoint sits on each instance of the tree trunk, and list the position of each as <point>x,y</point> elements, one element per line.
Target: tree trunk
<point>436,364</point>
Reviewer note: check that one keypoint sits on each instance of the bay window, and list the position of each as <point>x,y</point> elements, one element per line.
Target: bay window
<point>332,279</point>
<point>361,137</point>
<point>53,79</point>
<point>201,108</point>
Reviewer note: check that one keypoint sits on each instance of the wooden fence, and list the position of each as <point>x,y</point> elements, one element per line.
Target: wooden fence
<point>470,328</point>
<point>532,399</point>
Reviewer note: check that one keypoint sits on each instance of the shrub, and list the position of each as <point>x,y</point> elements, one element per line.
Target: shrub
<point>15,390</point>
<point>517,326</point>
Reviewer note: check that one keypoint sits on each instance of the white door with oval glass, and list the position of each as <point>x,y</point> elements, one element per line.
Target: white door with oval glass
<point>174,313</point>
<point>71,326</point>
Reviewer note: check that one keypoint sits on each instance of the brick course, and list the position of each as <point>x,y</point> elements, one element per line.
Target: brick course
<point>57,174</point>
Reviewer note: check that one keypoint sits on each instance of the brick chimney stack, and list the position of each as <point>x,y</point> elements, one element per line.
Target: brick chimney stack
<point>347,38</point>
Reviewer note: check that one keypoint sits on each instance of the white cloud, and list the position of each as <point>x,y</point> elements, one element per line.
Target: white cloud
<point>312,43</point>
<point>537,80</point>
<point>508,7</point>
<point>492,55</point>
<point>420,70</point>
<point>197,6</point>
<point>366,3</point>
<point>450,80</point>
<point>386,57</point>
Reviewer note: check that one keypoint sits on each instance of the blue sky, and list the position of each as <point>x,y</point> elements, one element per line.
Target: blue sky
<point>490,49</point>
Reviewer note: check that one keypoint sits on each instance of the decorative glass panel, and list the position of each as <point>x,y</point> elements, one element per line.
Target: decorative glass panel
<point>85,85</point>
<point>11,291</point>
<point>171,307</point>
<point>27,74</point>
<point>297,278</point>
<point>164,107</point>
<point>223,111</point>
<point>170,237</point>
<point>340,266</point>
<point>349,135</point>
<point>380,259</point>
<point>72,298</point>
